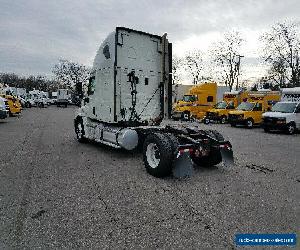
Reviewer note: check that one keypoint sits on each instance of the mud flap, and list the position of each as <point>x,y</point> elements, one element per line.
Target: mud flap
<point>183,166</point>
<point>227,155</point>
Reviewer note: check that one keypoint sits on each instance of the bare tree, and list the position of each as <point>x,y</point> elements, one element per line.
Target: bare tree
<point>227,58</point>
<point>71,74</point>
<point>278,73</point>
<point>177,65</point>
<point>193,62</point>
<point>282,50</point>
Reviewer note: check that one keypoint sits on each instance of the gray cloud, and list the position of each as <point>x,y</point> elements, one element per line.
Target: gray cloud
<point>34,34</point>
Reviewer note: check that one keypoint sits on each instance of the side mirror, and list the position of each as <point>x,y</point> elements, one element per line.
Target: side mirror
<point>136,79</point>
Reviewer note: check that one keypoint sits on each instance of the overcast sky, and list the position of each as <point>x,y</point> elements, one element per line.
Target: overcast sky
<point>35,33</point>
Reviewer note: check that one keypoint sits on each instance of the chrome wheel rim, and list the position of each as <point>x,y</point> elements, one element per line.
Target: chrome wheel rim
<point>153,155</point>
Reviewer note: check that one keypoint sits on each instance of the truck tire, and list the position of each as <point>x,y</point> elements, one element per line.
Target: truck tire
<point>79,129</point>
<point>28,105</point>
<point>206,121</point>
<point>223,119</point>
<point>214,156</point>
<point>232,124</point>
<point>158,155</point>
<point>290,128</point>
<point>211,160</point>
<point>186,116</point>
<point>174,143</point>
<point>266,129</point>
<point>249,123</point>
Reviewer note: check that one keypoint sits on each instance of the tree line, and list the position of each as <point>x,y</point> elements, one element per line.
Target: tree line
<point>31,82</point>
<point>67,74</point>
<point>222,62</point>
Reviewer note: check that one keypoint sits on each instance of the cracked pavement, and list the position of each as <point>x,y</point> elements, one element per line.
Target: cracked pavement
<point>58,193</point>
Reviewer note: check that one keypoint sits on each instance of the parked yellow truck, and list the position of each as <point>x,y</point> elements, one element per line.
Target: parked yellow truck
<point>249,113</point>
<point>219,113</point>
<point>196,102</point>
<point>13,103</point>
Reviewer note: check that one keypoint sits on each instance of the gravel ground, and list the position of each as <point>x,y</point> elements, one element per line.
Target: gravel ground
<point>58,193</point>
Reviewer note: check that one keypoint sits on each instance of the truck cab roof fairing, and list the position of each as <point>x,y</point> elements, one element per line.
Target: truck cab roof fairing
<point>106,53</point>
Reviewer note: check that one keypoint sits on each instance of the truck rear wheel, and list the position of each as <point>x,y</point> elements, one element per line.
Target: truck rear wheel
<point>290,129</point>
<point>249,123</point>
<point>186,116</point>
<point>206,121</point>
<point>223,119</point>
<point>214,156</point>
<point>158,155</point>
<point>174,142</point>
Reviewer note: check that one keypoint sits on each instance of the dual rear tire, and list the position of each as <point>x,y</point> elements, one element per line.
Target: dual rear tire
<point>158,154</point>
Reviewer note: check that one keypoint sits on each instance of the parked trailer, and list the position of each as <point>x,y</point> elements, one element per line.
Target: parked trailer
<point>63,96</point>
<point>129,103</point>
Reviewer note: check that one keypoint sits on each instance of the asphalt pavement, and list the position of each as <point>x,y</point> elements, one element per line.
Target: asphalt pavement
<point>58,193</point>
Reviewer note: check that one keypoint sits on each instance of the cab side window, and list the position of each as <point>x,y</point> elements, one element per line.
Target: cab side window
<point>210,99</point>
<point>91,86</point>
<point>230,105</point>
<point>298,109</point>
<point>258,107</point>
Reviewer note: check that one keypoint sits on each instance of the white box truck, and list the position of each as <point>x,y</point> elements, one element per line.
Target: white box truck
<point>284,115</point>
<point>129,103</point>
<point>63,96</point>
<point>39,98</point>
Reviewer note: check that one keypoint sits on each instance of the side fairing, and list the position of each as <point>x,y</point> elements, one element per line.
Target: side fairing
<point>100,105</point>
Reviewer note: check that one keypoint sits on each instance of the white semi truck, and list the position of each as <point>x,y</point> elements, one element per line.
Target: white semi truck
<point>129,103</point>
<point>284,115</point>
<point>63,96</point>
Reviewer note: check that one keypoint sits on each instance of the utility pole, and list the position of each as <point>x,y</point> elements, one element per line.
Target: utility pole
<point>238,70</point>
